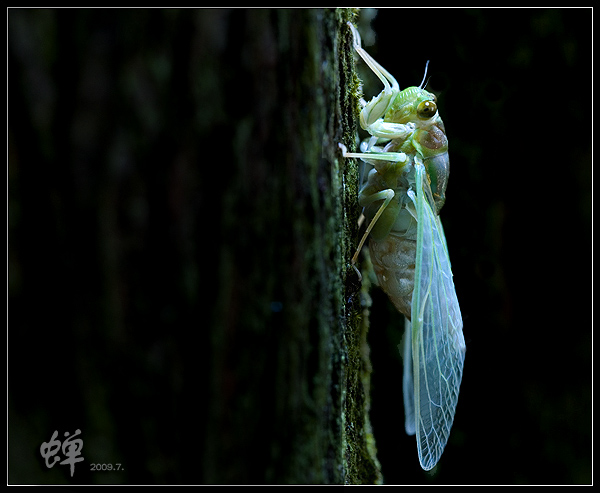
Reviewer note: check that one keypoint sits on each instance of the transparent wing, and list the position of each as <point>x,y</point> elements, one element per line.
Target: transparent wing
<point>438,345</point>
<point>408,389</point>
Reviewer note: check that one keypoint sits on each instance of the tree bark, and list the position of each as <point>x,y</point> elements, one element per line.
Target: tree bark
<point>180,229</point>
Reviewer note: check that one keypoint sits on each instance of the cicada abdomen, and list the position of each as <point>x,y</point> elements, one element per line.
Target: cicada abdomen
<point>393,260</point>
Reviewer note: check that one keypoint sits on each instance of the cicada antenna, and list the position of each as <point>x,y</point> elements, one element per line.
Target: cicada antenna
<point>421,86</point>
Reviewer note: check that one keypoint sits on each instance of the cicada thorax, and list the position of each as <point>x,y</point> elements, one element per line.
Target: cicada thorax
<point>418,106</point>
<point>431,143</point>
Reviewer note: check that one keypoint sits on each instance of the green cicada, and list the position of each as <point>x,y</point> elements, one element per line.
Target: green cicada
<point>402,199</point>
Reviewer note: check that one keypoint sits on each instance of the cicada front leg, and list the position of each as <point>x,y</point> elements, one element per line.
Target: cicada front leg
<point>373,112</point>
<point>378,106</point>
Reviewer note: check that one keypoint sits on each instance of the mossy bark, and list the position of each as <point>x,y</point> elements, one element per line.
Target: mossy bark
<point>197,220</point>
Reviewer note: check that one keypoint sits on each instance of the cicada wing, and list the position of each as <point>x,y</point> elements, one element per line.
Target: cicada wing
<point>438,345</point>
<point>408,388</point>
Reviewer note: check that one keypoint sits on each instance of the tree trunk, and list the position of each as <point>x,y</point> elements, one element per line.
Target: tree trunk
<point>180,229</point>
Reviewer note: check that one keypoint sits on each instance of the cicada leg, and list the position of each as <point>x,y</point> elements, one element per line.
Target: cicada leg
<point>385,195</point>
<point>393,157</point>
<point>388,80</point>
<point>379,105</point>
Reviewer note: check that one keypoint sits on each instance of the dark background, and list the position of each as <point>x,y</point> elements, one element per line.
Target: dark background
<point>514,91</point>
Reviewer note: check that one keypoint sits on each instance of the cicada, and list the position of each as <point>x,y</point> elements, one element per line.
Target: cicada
<point>402,199</point>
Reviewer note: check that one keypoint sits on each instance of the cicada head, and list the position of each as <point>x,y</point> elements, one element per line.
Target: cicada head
<point>413,105</point>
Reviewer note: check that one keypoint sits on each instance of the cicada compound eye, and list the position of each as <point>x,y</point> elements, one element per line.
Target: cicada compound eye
<point>426,110</point>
